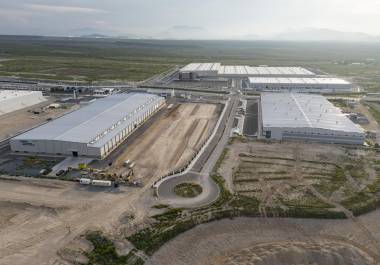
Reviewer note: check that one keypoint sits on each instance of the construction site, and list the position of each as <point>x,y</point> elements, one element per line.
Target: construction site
<point>170,143</point>
<point>149,172</point>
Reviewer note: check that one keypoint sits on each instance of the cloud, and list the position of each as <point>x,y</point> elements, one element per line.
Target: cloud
<point>62,9</point>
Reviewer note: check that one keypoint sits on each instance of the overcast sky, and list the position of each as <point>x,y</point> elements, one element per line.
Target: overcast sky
<point>219,18</point>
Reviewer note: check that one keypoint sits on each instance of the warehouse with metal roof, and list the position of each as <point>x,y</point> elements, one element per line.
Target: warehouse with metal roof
<point>308,117</point>
<point>212,70</point>
<point>317,85</point>
<point>12,100</point>
<point>92,131</point>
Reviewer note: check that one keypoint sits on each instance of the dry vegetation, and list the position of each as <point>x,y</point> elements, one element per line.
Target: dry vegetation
<point>305,176</point>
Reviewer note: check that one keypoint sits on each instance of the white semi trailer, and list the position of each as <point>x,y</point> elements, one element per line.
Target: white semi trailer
<point>94,182</point>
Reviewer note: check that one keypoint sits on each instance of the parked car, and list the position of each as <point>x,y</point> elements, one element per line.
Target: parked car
<point>60,173</point>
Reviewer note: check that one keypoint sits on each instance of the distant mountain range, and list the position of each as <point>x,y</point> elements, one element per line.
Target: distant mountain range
<point>183,32</point>
<point>186,32</point>
<point>314,34</point>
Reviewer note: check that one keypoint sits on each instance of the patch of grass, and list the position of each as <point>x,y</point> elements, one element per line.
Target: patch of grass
<point>224,195</point>
<point>169,215</point>
<point>374,109</point>
<point>337,180</point>
<point>374,187</point>
<point>188,190</point>
<point>220,161</point>
<point>361,203</point>
<point>149,240</point>
<point>104,252</point>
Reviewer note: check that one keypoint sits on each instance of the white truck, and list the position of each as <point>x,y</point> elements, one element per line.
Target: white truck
<point>103,183</point>
<point>94,182</point>
<point>85,181</point>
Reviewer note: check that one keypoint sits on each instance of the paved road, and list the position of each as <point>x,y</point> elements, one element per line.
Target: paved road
<point>199,171</point>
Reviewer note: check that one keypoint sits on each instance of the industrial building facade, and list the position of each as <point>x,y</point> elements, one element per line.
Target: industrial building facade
<point>194,71</point>
<point>307,117</point>
<point>265,78</point>
<point>12,100</point>
<point>314,85</point>
<point>92,131</point>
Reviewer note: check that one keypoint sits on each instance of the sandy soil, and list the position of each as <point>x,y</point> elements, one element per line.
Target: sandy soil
<point>275,241</point>
<point>260,241</point>
<point>21,120</point>
<point>41,220</point>
<point>170,142</point>
<point>274,172</point>
<point>41,217</point>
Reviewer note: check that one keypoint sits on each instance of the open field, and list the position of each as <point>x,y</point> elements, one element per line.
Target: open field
<point>135,60</point>
<point>43,221</point>
<point>259,241</point>
<point>22,120</point>
<point>286,180</point>
<point>170,142</point>
<point>289,175</point>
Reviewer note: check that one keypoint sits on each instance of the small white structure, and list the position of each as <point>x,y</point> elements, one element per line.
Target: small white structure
<point>94,130</point>
<point>12,100</point>
<point>316,85</point>
<point>306,117</point>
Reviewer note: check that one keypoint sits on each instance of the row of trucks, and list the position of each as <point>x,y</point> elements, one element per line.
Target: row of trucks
<point>109,183</point>
<point>128,181</point>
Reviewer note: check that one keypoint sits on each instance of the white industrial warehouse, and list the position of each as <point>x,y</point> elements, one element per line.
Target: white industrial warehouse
<point>265,78</point>
<point>12,100</point>
<point>306,117</point>
<point>203,70</point>
<point>92,131</point>
<point>299,84</point>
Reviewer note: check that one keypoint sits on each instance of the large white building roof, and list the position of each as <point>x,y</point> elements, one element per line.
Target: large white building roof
<point>12,100</point>
<point>11,94</point>
<point>298,81</point>
<point>263,71</point>
<point>296,110</point>
<point>200,67</point>
<point>97,123</point>
<point>245,70</point>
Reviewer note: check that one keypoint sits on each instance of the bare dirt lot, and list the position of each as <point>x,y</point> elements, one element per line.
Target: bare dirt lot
<point>259,241</point>
<point>313,179</point>
<point>294,174</point>
<point>21,120</point>
<point>41,221</point>
<point>171,141</point>
<point>40,218</point>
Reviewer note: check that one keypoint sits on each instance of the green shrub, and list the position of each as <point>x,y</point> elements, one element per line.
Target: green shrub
<point>104,252</point>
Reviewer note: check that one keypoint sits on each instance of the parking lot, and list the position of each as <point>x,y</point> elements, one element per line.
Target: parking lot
<point>251,118</point>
